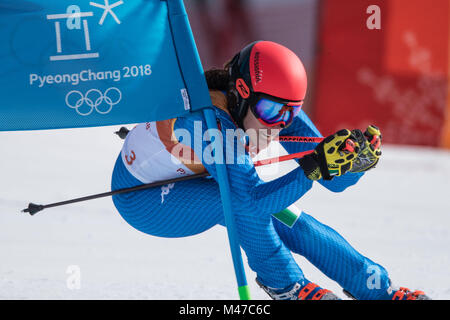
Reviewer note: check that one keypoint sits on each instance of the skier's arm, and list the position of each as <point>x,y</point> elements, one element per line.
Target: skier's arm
<point>303,126</point>
<point>249,192</point>
<point>339,184</point>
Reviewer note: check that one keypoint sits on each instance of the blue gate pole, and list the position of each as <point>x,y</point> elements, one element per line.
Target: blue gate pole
<point>192,71</point>
<point>224,185</point>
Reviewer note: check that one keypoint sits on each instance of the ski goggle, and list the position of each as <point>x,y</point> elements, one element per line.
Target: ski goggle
<point>272,113</point>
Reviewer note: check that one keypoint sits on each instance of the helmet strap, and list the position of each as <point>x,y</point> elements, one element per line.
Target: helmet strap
<point>240,109</point>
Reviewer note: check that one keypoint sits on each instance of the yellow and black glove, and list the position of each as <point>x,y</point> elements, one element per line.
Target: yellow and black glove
<point>332,157</point>
<point>370,149</point>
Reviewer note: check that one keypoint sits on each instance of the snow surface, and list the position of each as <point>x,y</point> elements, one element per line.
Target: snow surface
<point>398,215</point>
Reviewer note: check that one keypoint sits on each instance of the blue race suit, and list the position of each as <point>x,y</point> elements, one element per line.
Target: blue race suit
<point>191,207</point>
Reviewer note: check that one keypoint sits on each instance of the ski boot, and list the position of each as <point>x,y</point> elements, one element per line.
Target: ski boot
<point>406,294</point>
<point>305,290</point>
<point>398,294</point>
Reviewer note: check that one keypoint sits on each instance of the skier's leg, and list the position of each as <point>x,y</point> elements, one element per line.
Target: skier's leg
<point>193,206</point>
<point>267,255</point>
<point>335,257</point>
<point>182,209</point>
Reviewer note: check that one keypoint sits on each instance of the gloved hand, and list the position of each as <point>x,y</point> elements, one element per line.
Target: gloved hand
<point>370,149</point>
<point>332,157</point>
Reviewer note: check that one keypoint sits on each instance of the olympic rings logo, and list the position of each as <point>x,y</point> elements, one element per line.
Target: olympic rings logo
<point>93,99</point>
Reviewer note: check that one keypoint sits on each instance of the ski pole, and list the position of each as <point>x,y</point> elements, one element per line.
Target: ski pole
<point>299,139</point>
<point>282,158</point>
<point>123,132</point>
<point>34,208</point>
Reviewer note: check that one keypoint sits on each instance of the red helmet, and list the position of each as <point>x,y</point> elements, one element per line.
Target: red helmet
<point>268,70</point>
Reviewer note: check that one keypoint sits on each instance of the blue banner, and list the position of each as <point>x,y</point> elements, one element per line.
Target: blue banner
<point>82,63</point>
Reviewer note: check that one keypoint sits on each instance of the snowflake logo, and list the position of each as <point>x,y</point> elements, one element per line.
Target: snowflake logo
<point>107,10</point>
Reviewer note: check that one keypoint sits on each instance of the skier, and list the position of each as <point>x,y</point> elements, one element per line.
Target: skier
<point>262,87</point>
